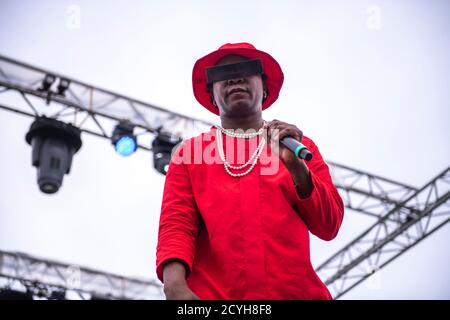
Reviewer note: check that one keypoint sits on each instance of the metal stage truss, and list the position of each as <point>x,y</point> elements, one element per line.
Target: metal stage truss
<point>85,283</point>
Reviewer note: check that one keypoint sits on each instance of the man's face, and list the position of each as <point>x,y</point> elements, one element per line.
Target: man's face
<point>240,96</point>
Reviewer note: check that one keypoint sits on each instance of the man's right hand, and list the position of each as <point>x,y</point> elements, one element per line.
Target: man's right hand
<point>179,292</point>
<point>175,286</point>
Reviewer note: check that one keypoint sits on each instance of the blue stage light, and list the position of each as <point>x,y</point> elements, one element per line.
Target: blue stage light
<point>123,139</point>
<point>125,146</point>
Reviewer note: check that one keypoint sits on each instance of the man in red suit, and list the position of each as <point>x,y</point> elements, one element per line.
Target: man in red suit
<point>238,229</point>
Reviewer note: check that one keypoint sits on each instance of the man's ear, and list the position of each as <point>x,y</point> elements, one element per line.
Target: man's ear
<point>211,95</point>
<point>265,91</point>
<point>213,101</point>
<point>265,94</point>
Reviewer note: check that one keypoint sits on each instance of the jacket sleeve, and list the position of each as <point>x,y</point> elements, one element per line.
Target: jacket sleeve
<point>178,225</point>
<point>323,210</point>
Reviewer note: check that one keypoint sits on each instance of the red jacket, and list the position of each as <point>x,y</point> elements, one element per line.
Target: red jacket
<point>246,237</point>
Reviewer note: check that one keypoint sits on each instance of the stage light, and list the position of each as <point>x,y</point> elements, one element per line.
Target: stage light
<point>99,297</point>
<point>47,82</point>
<point>162,147</point>
<point>58,295</point>
<point>125,146</point>
<point>63,85</point>
<point>9,294</point>
<point>123,139</point>
<point>53,145</point>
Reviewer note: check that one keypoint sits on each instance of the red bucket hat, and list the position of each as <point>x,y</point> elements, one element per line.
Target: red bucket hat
<point>271,68</point>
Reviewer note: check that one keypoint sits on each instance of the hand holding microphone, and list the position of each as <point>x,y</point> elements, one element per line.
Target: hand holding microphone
<point>289,137</point>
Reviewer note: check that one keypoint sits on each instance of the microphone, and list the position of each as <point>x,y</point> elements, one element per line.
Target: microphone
<point>297,147</point>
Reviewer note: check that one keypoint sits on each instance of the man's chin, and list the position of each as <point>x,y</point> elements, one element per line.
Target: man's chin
<point>240,106</point>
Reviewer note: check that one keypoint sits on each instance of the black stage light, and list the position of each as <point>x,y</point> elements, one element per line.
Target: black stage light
<point>99,297</point>
<point>8,294</point>
<point>58,295</point>
<point>63,85</point>
<point>123,139</point>
<point>53,145</point>
<point>47,82</point>
<point>162,147</point>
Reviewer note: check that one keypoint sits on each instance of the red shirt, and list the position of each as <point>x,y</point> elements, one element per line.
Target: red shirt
<point>245,237</point>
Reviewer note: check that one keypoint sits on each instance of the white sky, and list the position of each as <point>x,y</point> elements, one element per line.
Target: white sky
<point>372,96</point>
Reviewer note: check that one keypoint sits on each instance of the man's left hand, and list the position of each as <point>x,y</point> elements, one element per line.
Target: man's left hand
<point>276,130</point>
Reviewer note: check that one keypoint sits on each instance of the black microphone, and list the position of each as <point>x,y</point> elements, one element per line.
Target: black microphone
<point>297,147</point>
